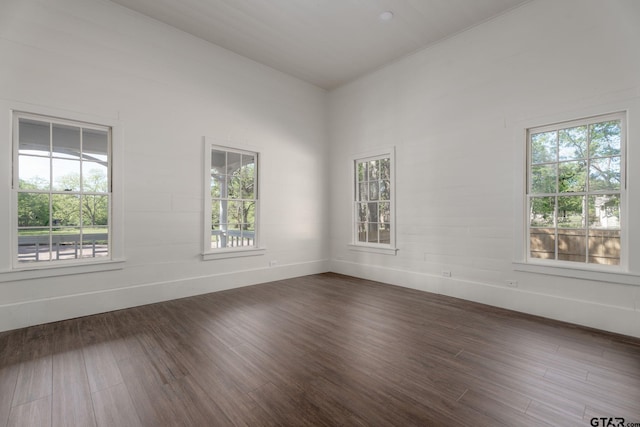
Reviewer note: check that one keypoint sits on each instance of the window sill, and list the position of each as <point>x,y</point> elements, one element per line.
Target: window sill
<point>233,253</point>
<point>374,249</point>
<point>595,274</point>
<point>45,271</point>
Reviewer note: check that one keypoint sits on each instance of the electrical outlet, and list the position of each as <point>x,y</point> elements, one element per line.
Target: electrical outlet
<point>512,283</point>
<point>446,273</point>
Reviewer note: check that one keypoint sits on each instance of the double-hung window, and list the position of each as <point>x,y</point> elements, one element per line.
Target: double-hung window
<point>231,201</point>
<point>62,188</point>
<point>576,191</point>
<point>373,201</point>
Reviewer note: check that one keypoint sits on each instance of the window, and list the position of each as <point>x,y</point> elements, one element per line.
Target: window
<point>63,191</point>
<point>576,191</point>
<point>373,203</point>
<point>231,200</point>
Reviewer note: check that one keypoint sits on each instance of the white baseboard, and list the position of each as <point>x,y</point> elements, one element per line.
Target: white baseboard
<point>45,310</point>
<point>600,316</point>
<point>615,319</point>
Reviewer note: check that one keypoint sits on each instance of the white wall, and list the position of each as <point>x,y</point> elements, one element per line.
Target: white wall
<point>456,113</point>
<point>166,90</point>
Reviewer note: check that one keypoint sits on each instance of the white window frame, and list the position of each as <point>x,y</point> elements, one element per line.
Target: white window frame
<point>10,269</point>
<point>234,252</point>
<point>627,272</point>
<point>379,248</point>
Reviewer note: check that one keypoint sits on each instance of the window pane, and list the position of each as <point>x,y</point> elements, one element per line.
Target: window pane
<point>235,186</point>
<point>363,191</point>
<point>215,213</point>
<point>248,187</point>
<point>95,242</point>
<point>542,243</point>
<point>544,147</point>
<point>604,247</point>
<point>66,243</point>
<point>605,139</point>
<point>384,232</point>
<point>66,141</point>
<point>95,145</point>
<point>234,212</point>
<point>572,143</point>
<point>248,179</point>
<point>543,179</point>
<point>572,177</point>
<point>234,235</point>
<point>234,162</point>
<point>373,212</point>
<point>373,190</point>
<point>572,245</point>
<point>604,211</point>
<point>33,209</point>
<point>571,212</point>
<point>249,214</point>
<point>604,174</point>
<point>218,162</point>
<point>374,170</point>
<point>542,211</point>
<point>224,211</point>
<point>362,171</point>
<point>385,169</point>
<point>215,237</point>
<point>385,191</point>
<point>33,172</point>
<point>362,232</point>
<point>373,233</point>
<point>95,211</point>
<point>66,210</point>
<point>66,175</point>
<point>95,177</point>
<point>217,181</point>
<point>33,245</point>
<point>384,212</point>
<point>247,236</point>
<point>223,234</point>
<point>34,137</point>
<point>363,212</point>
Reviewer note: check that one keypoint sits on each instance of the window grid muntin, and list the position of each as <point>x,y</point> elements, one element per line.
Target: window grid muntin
<point>588,192</point>
<point>53,237</point>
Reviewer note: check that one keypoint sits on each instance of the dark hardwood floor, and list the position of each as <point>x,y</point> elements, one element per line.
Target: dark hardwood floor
<point>317,350</point>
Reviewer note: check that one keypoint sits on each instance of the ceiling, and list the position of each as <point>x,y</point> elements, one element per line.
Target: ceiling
<point>324,42</point>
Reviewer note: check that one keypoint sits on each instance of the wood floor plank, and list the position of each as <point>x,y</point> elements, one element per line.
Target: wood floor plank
<point>291,408</point>
<point>36,413</point>
<point>11,348</point>
<point>8,379</point>
<point>324,349</point>
<point>114,407</point>
<point>552,415</point>
<point>71,398</point>
<point>35,373</point>
<point>100,363</point>
<point>145,387</point>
